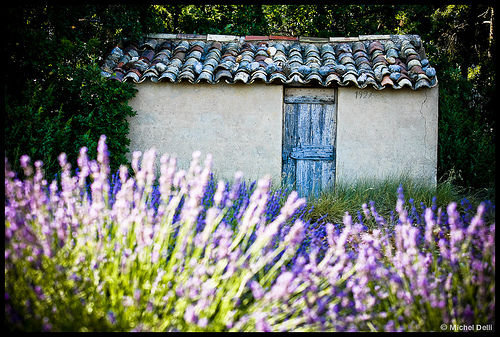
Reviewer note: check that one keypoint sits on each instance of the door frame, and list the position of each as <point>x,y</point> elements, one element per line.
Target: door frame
<point>307,95</point>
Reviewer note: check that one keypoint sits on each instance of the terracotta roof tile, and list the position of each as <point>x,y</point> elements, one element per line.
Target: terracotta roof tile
<point>377,61</point>
<point>256,38</point>
<point>289,38</point>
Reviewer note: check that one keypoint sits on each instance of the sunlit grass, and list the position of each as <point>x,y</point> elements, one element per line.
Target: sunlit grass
<point>332,203</point>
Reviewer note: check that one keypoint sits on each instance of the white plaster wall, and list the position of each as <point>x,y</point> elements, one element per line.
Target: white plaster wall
<point>385,133</point>
<point>379,133</point>
<point>239,124</point>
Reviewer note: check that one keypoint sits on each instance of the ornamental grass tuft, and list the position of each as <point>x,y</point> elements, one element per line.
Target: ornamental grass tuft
<point>96,251</point>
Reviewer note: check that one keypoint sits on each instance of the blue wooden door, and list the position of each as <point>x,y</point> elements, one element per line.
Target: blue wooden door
<point>309,139</point>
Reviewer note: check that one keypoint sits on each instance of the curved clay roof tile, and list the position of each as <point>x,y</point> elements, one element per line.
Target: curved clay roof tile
<point>349,61</point>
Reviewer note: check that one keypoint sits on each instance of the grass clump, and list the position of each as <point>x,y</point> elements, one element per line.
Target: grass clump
<point>332,203</point>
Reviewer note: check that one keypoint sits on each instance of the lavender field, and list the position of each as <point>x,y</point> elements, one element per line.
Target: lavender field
<point>96,251</point>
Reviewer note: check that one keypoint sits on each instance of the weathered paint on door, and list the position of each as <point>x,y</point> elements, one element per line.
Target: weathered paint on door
<point>309,139</point>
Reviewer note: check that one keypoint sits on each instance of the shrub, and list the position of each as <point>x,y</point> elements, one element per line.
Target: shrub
<point>65,117</point>
<point>120,257</point>
<point>55,97</point>
<point>466,130</point>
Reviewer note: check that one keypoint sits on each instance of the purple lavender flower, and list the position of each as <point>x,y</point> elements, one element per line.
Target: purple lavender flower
<point>111,317</point>
<point>257,290</point>
<point>128,301</point>
<point>203,322</point>
<point>39,292</point>
<point>137,295</point>
<point>390,326</point>
<point>155,255</point>
<point>262,325</point>
<point>46,326</point>
<point>190,315</point>
<point>219,193</point>
<point>103,155</point>
<point>280,288</point>
<point>25,164</point>
<point>468,315</point>
<point>340,278</point>
<point>296,234</point>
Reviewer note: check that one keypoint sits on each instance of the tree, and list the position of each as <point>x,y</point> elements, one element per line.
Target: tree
<point>462,48</point>
<point>56,100</point>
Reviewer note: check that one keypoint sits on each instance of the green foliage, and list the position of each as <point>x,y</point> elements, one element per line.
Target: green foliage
<point>215,19</point>
<point>336,20</point>
<point>466,133</point>
<point>55,98</point>
<point>462,51</point>
<point>67,304</point>
<point>68,113</point>
<point>294,20</point>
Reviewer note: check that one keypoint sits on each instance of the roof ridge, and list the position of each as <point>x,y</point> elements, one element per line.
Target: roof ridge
<point>311,39</point>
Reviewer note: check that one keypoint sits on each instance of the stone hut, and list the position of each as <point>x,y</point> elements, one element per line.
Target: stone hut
<point>310,111</point>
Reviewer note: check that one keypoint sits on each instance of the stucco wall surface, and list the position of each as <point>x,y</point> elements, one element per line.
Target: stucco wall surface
<point>385,133</point>
<point>239,124</point>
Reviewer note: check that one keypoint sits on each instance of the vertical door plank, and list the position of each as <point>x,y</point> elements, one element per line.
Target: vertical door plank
<point>316,124</point>
<point>304,133</point>
<point>302,178</point>
<point>319,131</point>
<point>304,124</point>
<point>289,141</point>
<point>328,138</point>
